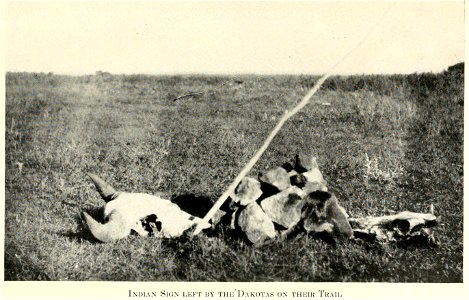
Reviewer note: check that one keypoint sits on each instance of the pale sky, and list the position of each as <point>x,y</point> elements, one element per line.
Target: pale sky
<point>233,37</point>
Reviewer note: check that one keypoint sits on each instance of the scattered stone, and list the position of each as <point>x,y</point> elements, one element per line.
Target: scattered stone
<point>338,217</point>
<point>298,180</point>
<point>277,177</point>
<point>284,208</point>
<point>311,187</point>
<point>322,212</point>
<point>257,226</point>
<point>313,212</point>
<point>267,191</point>
<point>248,190</point>
<point>280,192</point>
<point>304,163</point>
<point>293,198</point>
<point>314,175</point>
<point>219,214</point>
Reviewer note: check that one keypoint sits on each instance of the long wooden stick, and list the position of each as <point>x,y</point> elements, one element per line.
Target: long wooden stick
<point>274,132</point>
<point>259,153</point>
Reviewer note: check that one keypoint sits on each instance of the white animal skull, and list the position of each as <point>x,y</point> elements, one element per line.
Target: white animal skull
<point>125,211</point>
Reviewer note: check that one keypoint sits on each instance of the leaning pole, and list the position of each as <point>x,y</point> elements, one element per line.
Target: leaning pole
<point>230,190</point>
<point>288,114</point>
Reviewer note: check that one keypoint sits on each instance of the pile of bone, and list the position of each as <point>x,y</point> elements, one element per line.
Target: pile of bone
<point>293,198</point>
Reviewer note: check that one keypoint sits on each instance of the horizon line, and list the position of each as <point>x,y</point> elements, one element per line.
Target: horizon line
<point>226,73</point>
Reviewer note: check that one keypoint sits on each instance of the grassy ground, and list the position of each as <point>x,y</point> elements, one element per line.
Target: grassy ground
<point>384,143</point>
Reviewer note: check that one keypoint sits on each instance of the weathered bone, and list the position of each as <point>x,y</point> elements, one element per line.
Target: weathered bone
<point>126,211</point>
<point>397,227</point>
<point>106,191</point>
<point>413,218</point>
<point>116,228</point>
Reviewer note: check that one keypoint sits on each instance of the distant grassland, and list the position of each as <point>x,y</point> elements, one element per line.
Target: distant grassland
<point>385,143</point>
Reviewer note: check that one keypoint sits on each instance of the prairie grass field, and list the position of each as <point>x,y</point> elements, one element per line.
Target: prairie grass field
<point>384,144</point>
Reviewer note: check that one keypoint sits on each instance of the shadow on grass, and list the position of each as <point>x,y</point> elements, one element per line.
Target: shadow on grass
<point>79,236</point>
<point>83,234</point>
<point>195,205</point>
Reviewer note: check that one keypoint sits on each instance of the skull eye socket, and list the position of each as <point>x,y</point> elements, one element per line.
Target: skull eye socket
<point>402,225</point>
<point>151,224</point>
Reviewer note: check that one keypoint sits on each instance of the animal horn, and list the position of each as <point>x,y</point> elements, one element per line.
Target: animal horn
<point>116,228</point>
<point>104,189</point>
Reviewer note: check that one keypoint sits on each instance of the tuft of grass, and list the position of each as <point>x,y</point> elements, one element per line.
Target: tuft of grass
<point>384,143</point>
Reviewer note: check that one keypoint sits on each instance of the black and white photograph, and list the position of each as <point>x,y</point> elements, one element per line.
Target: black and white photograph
<point>275,149</point>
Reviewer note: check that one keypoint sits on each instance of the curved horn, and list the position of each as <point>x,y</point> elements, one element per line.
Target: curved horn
<point>116,228</point>
<point>104,189</point>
